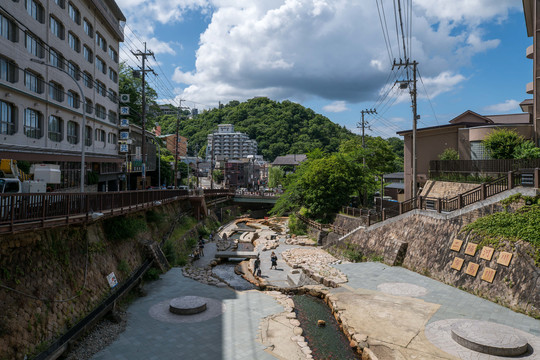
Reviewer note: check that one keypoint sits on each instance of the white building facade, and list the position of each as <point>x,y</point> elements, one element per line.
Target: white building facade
<point>227,144</point>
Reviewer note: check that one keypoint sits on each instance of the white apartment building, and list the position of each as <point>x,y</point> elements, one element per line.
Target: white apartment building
<point>227,144</point>
<point>41,106</point>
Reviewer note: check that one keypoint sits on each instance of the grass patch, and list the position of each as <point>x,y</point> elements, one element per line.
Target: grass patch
<point>154,217</point>
<point>353,255</point>
<point>123,227</point>
<point>520,225</point>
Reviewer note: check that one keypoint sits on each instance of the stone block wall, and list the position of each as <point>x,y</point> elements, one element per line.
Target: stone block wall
<point>52,279</point>
<point>421,241</point>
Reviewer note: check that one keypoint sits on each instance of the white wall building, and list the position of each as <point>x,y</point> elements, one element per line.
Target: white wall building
<point>227,144</point>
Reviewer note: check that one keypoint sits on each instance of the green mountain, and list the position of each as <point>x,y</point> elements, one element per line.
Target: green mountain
<point>280,128</point>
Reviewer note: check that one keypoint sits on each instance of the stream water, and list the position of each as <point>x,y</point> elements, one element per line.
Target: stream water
<point>226,273</point>
<point>327,342</point>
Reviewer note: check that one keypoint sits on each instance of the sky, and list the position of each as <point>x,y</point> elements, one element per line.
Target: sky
<point>336,56</point>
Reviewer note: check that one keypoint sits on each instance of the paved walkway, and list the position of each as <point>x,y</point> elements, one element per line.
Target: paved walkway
<point>392,305</point>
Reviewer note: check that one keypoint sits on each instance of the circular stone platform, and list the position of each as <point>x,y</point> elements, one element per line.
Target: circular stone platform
<point>439,333</point>
<point>161,312</point>
<point>489,338</point>
<point>187,305</point>
<point>402,289</point>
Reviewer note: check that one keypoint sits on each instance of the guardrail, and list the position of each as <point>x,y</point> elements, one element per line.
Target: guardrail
<point>28,211</point>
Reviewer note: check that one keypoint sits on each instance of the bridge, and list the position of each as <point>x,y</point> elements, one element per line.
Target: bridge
<point>23,212</point>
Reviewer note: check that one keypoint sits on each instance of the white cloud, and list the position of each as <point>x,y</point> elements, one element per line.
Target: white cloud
<point>300,49</point>
<point>506,106</point>
<point>336,107</point>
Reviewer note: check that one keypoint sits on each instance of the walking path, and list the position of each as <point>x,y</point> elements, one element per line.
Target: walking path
<point>399,313</point>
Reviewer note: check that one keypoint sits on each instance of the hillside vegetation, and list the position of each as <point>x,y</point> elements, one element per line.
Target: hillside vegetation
<point>280,128</point>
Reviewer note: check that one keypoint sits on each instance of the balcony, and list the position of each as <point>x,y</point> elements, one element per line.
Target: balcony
<point>530,87</point>
<point>530,52</point>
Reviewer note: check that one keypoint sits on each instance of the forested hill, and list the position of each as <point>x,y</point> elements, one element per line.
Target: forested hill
<point>280,128</point>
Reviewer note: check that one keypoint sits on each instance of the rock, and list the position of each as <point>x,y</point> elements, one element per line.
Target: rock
<point>291,315</point>
<point>294,322</point>
<point>298,331</point>
<point>321,323</point>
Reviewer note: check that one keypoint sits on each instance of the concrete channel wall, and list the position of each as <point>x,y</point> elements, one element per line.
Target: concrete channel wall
<point>421,241</point>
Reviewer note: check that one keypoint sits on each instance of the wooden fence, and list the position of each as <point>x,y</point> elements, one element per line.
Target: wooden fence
<point>438,167</point>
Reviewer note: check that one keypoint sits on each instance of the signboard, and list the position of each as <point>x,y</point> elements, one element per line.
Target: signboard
<point>124,148</point>
<point>486,253</point>
<point>488,275</point>
<point>504,258</point>
<point>124,135</point>
<point>111,278</point>
<point>472,269</point>
<point>471,249</point>
<point>456,245</point>
<point>124,98</point>
<point>457,264</point>
<point>124,122</point>
<point>124,110</point>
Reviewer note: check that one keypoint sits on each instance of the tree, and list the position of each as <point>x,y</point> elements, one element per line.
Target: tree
<point>131,85</point>
<point>218,176</point>
<point>449,154</point>
<point>501,143</point>
<point>527,150</point>
<point>275,176</point>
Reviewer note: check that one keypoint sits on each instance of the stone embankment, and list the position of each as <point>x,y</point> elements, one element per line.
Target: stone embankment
<point>315,263</point>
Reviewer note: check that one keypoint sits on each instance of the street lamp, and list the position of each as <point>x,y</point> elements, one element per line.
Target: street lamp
<point>83,129</point>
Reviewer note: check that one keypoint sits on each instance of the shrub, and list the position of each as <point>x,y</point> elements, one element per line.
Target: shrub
<point>296,226</point>
<point>527,150</point>
<point>123,227</point>
<point>501,143</point>
<point>154,217</point>
<point>449,154</point>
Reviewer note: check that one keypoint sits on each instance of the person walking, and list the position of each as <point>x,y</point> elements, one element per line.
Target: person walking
<point>201,246</point>
<point>273,258</point>
<point>257,267</point>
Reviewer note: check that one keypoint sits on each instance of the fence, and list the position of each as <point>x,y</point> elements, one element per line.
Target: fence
<point>48,209</point>
<point>503,166</point>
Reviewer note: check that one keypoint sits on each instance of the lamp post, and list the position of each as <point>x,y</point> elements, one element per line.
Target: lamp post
<point>83,113</point>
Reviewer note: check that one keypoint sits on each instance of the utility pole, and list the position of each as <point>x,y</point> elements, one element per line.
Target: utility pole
<point>364,123</point>
<point>143,115</point>
<point>212,163</point>
<point>414,64</point>
<point>197,164</point>
<point>176,147</point>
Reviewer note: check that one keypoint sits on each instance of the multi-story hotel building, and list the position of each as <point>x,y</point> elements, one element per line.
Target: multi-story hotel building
<point>226,144</point>
<point>41,105</point>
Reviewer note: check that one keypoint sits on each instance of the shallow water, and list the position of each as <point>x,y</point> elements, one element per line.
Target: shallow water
<point>326,342</point>
<point>227,274</point>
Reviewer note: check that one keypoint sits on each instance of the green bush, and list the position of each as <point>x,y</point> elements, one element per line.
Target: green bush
<point>527,150</point>
<point>152,274</point>
<point>123,267</point>
<point>501,143</point>
<point>123,227</point>
<point>154,217</point>
<point>449,154</point>
<point>296,226</point>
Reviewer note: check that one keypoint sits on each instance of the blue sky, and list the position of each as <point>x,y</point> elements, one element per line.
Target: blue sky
<point>330,55</point>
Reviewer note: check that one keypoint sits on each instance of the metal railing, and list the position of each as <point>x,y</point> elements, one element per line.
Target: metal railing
<point>27,211</point>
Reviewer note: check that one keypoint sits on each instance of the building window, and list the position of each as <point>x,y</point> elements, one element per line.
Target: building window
<point>113,54</point>
<point>478,151</point>
<point>61,3</point>
<point>112,117</point>
<point>8,70</point>
<point>113,96</point>
<point>8,29</point>
<point>88,106</point>
<point>55,128</point>
<point>72,132</point>
<point>35,10</point>
<point>113,75</point>
<point>100,88</point>
<point>100,41</point>
<point>87,80</point>
<point>74,14</point>
<point>32,123</point>
<point>88,54</point>
<point>101,112</point>
<point>73,70</point>
<point>33,45</point>
<point>88,136</point>
<point>73,99</point>
<point>8,116</point>
<point>100,135</point>
<point>56,91</point>
<point>100,64</point>
<point>33,82</point>
<point>56,59</point>
<point>88,28</point>
<point>57,28</point>
<point>74,42</point>
<point>112,138</point>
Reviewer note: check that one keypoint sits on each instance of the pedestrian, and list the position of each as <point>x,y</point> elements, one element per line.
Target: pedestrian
<point>211,237</point>
<point>273,258</point>
<point>257,267</point>
<point>201,247</point>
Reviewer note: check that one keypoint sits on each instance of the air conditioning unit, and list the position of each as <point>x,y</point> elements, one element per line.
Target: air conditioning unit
<point>124,98</point>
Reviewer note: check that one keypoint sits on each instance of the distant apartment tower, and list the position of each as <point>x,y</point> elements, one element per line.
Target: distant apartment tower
<point>41,106</point>
<point>226,144</point>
